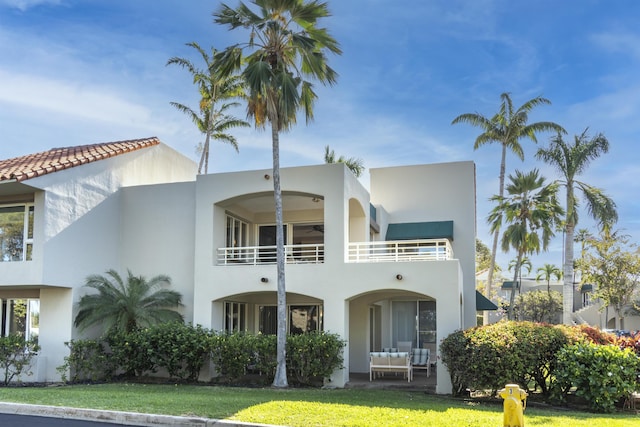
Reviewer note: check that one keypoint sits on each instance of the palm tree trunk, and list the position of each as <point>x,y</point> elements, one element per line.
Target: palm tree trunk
<point>567,268</point>
<point>280,379</point>
<point>204,155</point>
<point>512,298</point>
<point>496,235</point>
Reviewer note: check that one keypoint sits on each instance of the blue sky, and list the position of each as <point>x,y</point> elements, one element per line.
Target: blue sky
<point>76,72</point>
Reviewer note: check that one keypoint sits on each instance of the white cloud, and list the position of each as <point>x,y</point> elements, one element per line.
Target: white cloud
<point>23,5</point>
<point>69,98</point>
<point>619,42</point>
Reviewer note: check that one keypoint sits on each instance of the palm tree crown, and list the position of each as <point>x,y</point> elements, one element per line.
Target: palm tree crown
<point>507,127</point>
<point>354,164</point>
<point>530,212</point>
<point>547,272</point>
<point>570,160</point>
<point>215,90</point>
<point>127,305</point>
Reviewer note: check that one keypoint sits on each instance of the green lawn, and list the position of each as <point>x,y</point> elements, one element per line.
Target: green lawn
<point>301,407</point>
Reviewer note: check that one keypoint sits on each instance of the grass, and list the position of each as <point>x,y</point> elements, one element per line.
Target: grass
<point>301,407</point>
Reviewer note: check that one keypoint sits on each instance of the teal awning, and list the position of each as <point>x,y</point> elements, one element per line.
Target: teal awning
<point>483,303</point>
<point>420,230</point>
<point>509,285</point>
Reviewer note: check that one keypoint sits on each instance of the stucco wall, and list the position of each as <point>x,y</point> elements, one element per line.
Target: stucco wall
<point>435,192</point>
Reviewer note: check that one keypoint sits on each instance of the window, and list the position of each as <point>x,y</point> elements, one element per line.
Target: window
<point>16,232</point>
<point>20,316</point>
<point>235,317</point>
<point>302,318</point>
<point>414,321</point>
<point>236,232</point>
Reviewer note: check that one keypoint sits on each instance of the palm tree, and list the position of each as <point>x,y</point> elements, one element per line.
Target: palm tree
<point>526,264</point>
<point>507,127</point>
<point>127,305</point>
<point>287,51</point>
<point>570,160</point>
<point>354,164</point>
<point>530,208</point>
<point>547,272</point>
<point>215,90</point>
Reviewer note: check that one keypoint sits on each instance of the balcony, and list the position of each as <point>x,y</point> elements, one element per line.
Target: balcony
<point>362,252</point>
<point>264,255</point>
<point>400,251</point>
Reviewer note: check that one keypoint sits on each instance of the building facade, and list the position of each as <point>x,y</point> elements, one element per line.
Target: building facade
<point>391,263</point>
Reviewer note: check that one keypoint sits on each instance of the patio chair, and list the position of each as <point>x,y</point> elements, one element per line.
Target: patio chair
<point>420,359</point>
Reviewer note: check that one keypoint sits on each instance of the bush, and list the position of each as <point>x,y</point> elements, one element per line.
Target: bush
<point>310,356</point>
<point>232,353</point>
<point>313,356</point>
<point>180,349</point>
<point>16,354</point>
<point>130,353</point>
<point>602,374</point>
<point>488,357</point>
<point>87,361</point>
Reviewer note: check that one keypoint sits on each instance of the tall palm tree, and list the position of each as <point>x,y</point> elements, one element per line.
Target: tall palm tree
<point>547,272</point>
<point>507,127</point>
<point>571,160</point>
<point>530,208</point>
<point>127,305</point>
<point>215,90</point>
<point>286,53</point>
<point>354,164</point>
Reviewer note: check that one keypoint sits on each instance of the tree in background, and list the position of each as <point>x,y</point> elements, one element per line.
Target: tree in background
<point>613,265</point>
<point>571,160</point>
<point>507,127</point>
<point>127,305</point>
<point>547,272</point>
<point>215,91</point>
<point>539,306</point>
<point>530,212</point>
<point>287,51</point>
<point>354,164</point>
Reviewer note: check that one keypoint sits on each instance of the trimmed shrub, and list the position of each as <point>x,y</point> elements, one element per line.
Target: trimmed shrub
<point>16,355</point>
<point>488,357</point>
<point>313,356</point>
<point>87,361</point>
<point>179,348</point>
<point>601,374</point>
<point>130,353</point>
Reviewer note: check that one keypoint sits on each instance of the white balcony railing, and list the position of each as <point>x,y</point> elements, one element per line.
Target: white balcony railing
<point>255,255</point>
<point>400,251</point>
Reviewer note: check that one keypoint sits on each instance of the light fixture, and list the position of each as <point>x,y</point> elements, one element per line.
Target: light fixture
<point>264,279</point>
<point>267,176</point>
<point>315,199</point>
<point>399,276</point>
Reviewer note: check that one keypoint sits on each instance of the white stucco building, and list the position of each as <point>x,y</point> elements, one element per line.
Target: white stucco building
<point>395,263</point>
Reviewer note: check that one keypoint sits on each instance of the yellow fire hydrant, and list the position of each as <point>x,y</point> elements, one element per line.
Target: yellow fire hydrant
<point>515,402</point>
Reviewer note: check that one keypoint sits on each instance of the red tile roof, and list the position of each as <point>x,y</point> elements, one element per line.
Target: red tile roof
<point>56,159</point>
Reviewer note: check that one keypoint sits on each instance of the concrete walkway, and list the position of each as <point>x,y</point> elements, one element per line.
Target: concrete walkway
<point>116,417</point>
